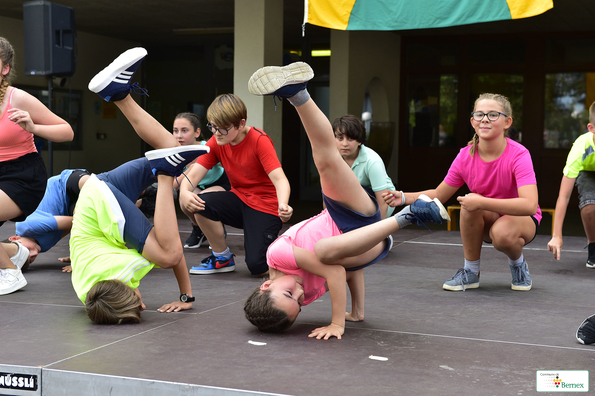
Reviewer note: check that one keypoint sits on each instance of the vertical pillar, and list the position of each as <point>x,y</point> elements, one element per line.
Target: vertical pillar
<point>356,65</point>
<point>258,42</point>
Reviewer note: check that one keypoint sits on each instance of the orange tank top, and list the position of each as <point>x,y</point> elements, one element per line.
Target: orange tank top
<point>14,140</point>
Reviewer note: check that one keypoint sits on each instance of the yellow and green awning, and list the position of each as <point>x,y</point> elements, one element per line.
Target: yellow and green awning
<point>416,14</point>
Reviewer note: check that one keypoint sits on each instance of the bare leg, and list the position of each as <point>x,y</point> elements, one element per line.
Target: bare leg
<point>368,240</point>
<point>145,125</point>
<point>588,217</point>
<point>336,178</point>
<point>473,230</point>
<point>357,288</point>
<point>510,233</point>
<point>5,255</point>
<point>10,210</point>
<point>214,232</point>
<point>163,246</point>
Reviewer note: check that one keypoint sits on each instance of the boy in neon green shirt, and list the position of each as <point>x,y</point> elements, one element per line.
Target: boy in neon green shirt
<point>105,272</point>
<point>579,170</point>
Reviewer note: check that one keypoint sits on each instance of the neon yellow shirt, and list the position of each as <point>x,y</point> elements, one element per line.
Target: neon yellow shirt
<point>581,156</point>
<point>97,248</point>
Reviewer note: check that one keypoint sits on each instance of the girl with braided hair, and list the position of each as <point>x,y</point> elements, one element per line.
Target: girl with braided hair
<point>502,207</point>
<point>23,174</point>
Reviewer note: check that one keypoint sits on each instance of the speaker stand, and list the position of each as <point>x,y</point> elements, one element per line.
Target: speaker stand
<point>50,145</point>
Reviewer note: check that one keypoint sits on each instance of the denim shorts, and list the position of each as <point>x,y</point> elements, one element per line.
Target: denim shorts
<point>585,182</point>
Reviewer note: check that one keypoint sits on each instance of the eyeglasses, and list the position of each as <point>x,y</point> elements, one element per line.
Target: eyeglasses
<point>492,115</point>
<point>221,131</point>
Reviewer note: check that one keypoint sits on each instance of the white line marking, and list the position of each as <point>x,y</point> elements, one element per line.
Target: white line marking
<point>483,246</point>
<point>483,340</point>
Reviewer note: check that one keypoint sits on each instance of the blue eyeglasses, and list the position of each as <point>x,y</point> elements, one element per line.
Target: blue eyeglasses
<point>492,115</point>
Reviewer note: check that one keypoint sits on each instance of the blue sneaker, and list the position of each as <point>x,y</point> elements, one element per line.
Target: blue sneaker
<point>113,82</point>
<point>521,279</point>
<point>586,331</point>
<point>426,210</point>
<point>214,265</point>
<point>463,279</point>
<point>172,161</point>
<point>283,82</point>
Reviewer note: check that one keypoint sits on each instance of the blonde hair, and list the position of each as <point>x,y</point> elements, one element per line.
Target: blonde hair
<point>506,109</point>
<point>592,113</point>
<point>227,110</point>
<point>112,302</point>
<point>7,58</point>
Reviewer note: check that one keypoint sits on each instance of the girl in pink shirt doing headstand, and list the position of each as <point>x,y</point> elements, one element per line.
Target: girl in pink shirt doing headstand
<point>329,250</point>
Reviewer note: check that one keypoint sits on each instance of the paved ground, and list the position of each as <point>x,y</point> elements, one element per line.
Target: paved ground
<point>488,341</point>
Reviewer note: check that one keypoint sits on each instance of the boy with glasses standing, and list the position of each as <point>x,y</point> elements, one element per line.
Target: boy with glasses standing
<point>259,196</point>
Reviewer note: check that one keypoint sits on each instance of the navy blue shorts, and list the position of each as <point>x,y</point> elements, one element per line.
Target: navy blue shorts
<point>127,182</point>
<point>348,220</point>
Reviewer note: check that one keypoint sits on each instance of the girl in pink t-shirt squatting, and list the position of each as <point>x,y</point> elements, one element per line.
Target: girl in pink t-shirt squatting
<point>502,207</point>
<point>329,250</point>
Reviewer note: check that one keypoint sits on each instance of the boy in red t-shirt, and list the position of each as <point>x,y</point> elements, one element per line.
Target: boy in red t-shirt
<point>259,196</point>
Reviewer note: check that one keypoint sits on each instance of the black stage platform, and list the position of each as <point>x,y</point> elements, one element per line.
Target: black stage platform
<point>487,341</point>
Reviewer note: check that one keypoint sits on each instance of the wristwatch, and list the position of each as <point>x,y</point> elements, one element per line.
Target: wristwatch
<point>186,298</point>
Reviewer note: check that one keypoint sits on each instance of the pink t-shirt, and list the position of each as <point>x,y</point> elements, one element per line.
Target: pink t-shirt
<point>500,178</point>
<point>14,140</point>
<point>304,235</point>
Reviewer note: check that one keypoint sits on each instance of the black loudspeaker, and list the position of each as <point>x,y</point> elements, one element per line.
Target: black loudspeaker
<point>50,39</point>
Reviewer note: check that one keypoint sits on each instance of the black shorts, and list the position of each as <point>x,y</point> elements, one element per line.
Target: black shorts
<point>223,181</point>
<point>24,180</point>
<point>534,235</point>
<point>260,229</point>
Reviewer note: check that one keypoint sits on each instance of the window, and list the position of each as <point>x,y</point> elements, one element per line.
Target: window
<point>432,102</point>
<point>567,101</point>
<point>509,85</point>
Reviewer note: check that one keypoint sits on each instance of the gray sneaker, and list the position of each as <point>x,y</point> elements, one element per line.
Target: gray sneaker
<point>521,280</point>
<point>462,280</point>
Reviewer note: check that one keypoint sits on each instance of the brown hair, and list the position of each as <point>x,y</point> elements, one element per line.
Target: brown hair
<point>112,302</point>
<point>350,126</point>
<point>261,312</point>
<point>193,119</point>
<point>227,110</point>
<point>7,58</point>
<point>506,109</point>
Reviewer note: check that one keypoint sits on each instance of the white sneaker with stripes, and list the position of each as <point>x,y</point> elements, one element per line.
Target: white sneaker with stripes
<point>113,82</point>
<point>173,160</point>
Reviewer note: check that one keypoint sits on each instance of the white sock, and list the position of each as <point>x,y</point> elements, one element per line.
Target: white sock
<point>472,266</point>
<point>402,219</point>
<point>518,261</point>
<point>225,254</point>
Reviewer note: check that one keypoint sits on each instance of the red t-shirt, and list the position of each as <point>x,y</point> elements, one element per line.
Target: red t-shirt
<point>248,165</point>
